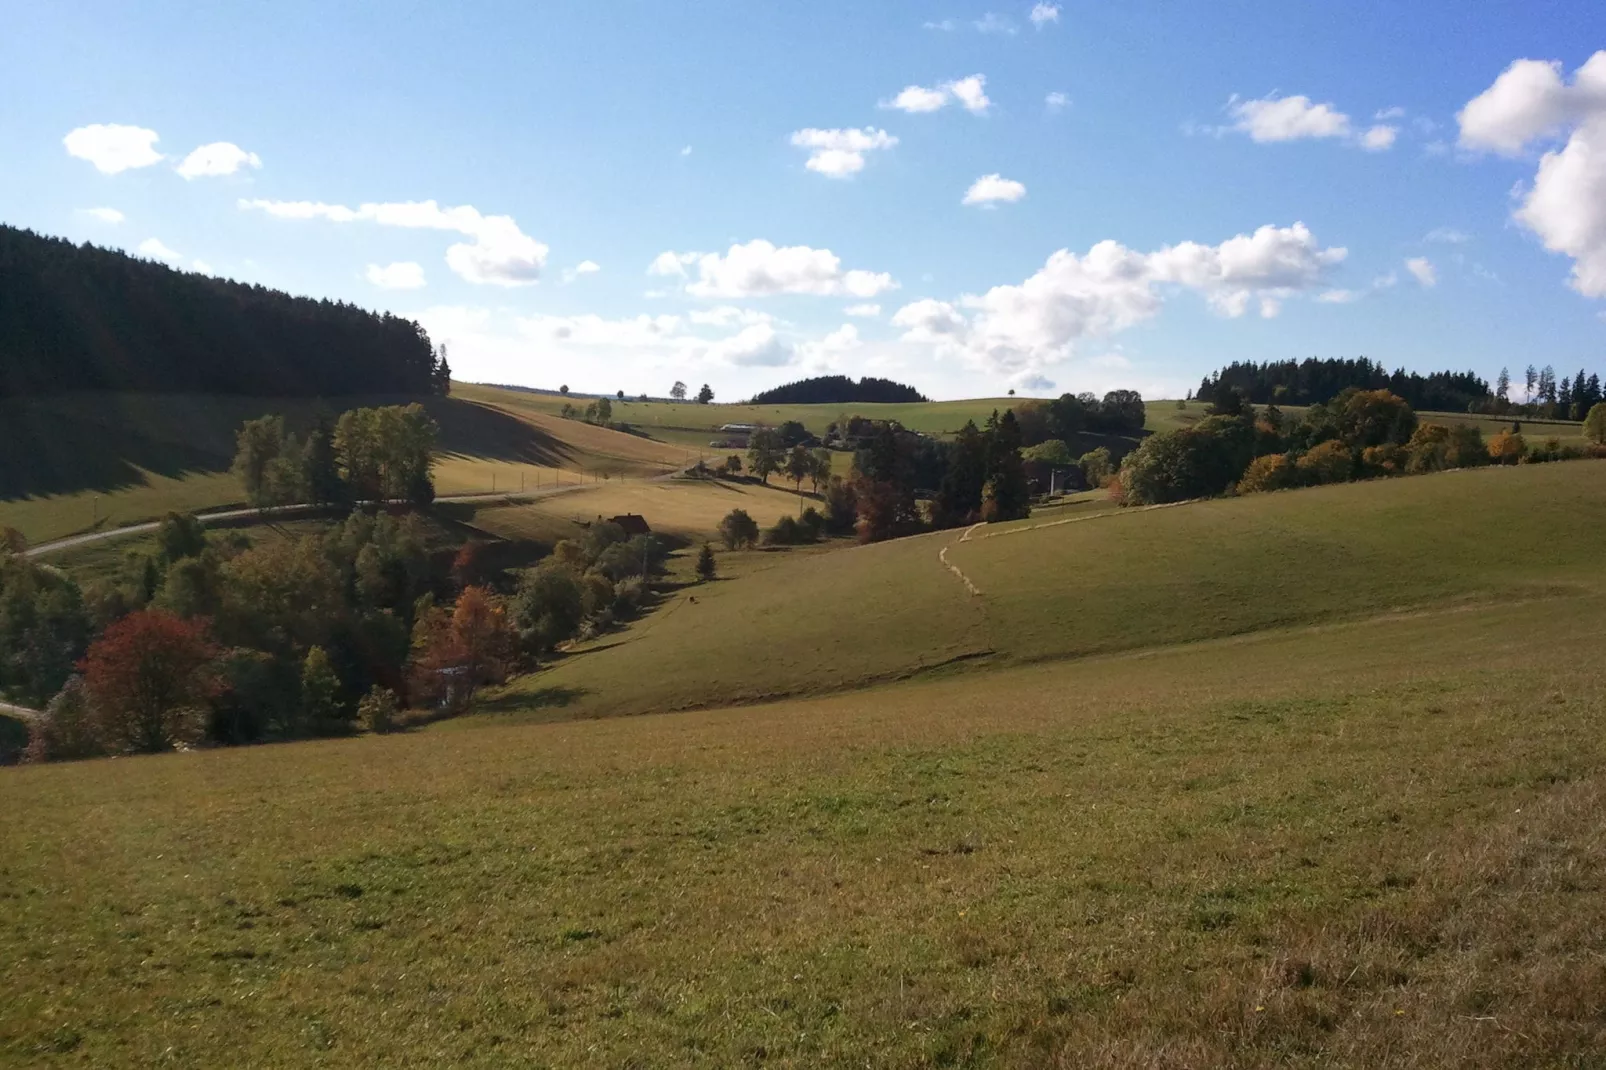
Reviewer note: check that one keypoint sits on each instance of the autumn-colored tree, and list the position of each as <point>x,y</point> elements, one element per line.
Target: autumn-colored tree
<point>1271,472</point>
<point>1507,447</point>
<point>457,652</point>
<point>1595,424</point>
<point>67,729</point>
<point>377,712</point>
<point>150,678</point>
<point>1385,460</point>
<point>1330,462</point>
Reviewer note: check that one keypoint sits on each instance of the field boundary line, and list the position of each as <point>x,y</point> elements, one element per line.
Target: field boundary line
<point>1082,519</point>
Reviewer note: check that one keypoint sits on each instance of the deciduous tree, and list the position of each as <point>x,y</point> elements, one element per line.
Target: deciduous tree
<point>150,679</point>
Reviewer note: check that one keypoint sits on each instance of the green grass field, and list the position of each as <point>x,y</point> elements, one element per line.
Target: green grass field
<point>1125,580</point>
<point>1365,845</point>
<point>82,462</point>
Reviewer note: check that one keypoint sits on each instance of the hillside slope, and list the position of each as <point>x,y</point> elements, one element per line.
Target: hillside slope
<point>1129,580</point>
<point>72,462</point>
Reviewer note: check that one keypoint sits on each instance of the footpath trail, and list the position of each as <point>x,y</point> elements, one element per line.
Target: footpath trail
<point>282,511</point>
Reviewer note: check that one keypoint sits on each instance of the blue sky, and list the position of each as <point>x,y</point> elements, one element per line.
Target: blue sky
<point>768,191</point>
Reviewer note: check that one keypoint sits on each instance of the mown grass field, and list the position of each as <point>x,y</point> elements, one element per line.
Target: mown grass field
<point>80,462</point>
<point>686,507</point>
<point>1124,580</point>
<point>1368,844</point>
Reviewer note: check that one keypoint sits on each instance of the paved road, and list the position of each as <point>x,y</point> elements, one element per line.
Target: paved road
<point>296,510</point>
<point>21,712</point>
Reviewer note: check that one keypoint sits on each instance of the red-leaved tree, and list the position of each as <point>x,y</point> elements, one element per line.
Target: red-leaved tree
<point>149,678</point>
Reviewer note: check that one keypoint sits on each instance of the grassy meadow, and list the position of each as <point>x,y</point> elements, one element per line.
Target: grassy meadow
<point>1128,579</point>
<point>1364,844</point>
<point>80,462</point>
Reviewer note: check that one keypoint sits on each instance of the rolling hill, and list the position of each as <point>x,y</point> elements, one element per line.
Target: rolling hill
<point>1307,779</point>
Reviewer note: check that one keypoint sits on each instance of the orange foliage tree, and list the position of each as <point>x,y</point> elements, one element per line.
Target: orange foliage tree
<point>457,651</point>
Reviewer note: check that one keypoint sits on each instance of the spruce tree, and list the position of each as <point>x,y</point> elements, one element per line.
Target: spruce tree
<point>705,563</point>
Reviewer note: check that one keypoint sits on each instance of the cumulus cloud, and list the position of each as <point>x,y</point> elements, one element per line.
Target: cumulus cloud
<point>1423,270</point>
<point>594,330</point>
<point>989,190</point>
<point>759,269</point>
<point>755,346</point>
<point>113,148</point>
<point>1288,119</point>
<point>1021,329</point>
<point>1448,236</point>
<point>105,215</point>
<point>1379,138</point>
<point>218,158</point>
<point>969,92</point>
<point>992,22</point>
<point>157,250</point>
<point>868,310</point>
<point>825,354</point>
<point>1056,102</point>
<point>500,254</point>
<point>1273,119</point>
<point>1043,14</point>
<point>1566,204</point>
<point>584,267</point>
<point>840,153</point>
<point>403,275</point>
<point>727,316</point>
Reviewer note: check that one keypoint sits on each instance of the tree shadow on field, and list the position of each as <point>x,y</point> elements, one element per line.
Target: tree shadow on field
<point>107,442</point>
<point>545,698</point>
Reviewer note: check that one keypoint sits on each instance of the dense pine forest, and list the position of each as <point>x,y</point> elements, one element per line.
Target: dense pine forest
<point>83,318</point>
<point>839,390</point>
<point>1315,381</point>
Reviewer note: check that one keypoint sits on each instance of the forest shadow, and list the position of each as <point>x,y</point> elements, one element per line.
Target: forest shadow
<point>544,698</point>
<point>52,446</point>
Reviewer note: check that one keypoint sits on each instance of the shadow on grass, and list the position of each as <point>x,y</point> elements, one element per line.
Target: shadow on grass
<point>108,442</point>
<point>545,698</point>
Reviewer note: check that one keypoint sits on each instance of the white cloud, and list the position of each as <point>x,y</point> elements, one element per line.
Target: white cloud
<point>686,151</point>
<point>218,158</point>
<point>203,267</point>
<point>1340,297</point>
<point>992,22</point>
<point>840,153</point>
<point>105,215</point>
<point>755,346</point>
<point>946,25</point>
<point>1448,236</point>
<point>1043,14</point>
<point>970,92</point>
<point>1566,204</point>
<point>1021,329</point>
<point>1288,119</point>
<point>156,250</point>
<point>989,190</point>
<point>403,275</point>
<point>584,267</point>
<point>825,354</point>
<point>499,255</point>
<point>1057,101</point>
<point>868,310</point>
<point>112,147</point>
<point>1383,115</point>
<point>593,330</point>
<point>1379,138</point>
<point>672,263</point>
<point>728,316</point>
<point>759,268</point>
<point>1423,270</point>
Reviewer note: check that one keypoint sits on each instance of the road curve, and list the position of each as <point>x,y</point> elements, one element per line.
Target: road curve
<point>297,510</point>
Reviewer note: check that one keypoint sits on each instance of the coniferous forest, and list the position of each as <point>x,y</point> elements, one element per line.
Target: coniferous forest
<point>84,318</point>
<point>839,390</point>
<point>1315,381</point>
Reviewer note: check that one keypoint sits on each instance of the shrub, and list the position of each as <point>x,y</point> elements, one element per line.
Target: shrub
<point>1385,460</point>
<point>377,711</point>
<point>841,506</point>
<point>1272,472</point>
<point>787,532</point>
<point>1330,462</point>
<point>738,530</point>
<point>66,731</point>
<point>321,711</point>
<point>1595,424</point>
<point>549,605</point>
<point>628,595</point>
<point>1507,447</point>
<point>1097,466</point>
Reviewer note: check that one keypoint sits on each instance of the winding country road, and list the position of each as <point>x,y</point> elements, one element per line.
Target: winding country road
<point>298,510</point>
